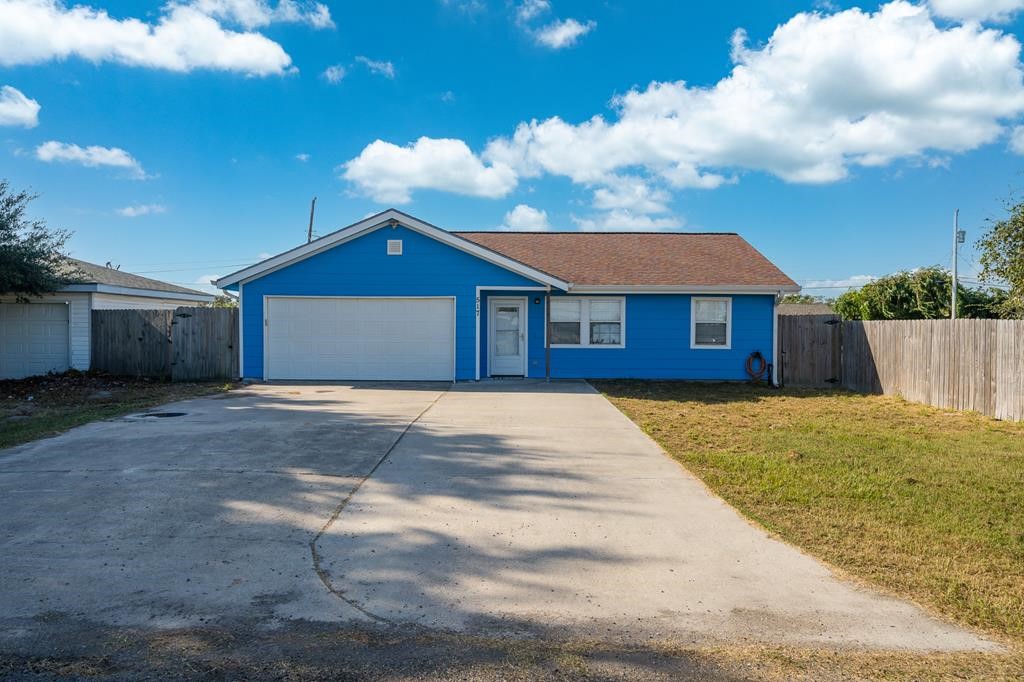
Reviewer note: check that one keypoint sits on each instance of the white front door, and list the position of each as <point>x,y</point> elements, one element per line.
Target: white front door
<point>508,337</point>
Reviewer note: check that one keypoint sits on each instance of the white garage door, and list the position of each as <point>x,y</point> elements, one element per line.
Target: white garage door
<point>360,338</point>
<point>33,339</point>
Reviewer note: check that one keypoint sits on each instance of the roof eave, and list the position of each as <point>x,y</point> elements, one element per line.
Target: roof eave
<point>684,288</point>
<point>196,296</point>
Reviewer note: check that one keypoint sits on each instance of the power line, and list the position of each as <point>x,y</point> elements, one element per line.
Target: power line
<point>223,265</point>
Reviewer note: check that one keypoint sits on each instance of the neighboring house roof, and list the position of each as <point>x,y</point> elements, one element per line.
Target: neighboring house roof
<point>580,261</point>
<point>639,258</point>
<point>83,275</point>
<point>806,309</point>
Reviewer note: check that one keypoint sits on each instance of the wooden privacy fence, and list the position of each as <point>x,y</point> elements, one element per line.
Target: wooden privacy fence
<point>186,344</point>
<point>958,364</point>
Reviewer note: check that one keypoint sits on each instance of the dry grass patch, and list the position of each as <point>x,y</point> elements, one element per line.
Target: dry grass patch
<point>926,503</point>
<point>45,406</point>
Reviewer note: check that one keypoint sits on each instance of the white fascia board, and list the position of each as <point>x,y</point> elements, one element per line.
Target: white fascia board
<point>680,289</point>
<point>146,293</point>
<point>376,222</point>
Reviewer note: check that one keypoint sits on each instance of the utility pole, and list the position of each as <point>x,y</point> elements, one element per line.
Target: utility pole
<point>958,239</point>
<point>309,233</point>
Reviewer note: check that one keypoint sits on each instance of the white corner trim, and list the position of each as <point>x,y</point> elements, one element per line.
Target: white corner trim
<point>476,371</point>
<point>775,342</point>
<point>241,335</point>
<point>693,323</point>
<point>375,222</point>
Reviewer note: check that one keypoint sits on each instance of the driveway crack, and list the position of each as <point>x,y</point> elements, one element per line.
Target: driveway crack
<point>321,573</point>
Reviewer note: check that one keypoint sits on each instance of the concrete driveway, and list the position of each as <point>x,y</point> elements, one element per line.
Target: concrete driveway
<point>493,508</point>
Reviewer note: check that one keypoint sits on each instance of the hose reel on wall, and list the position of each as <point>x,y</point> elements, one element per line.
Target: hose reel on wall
<point>758,366</point>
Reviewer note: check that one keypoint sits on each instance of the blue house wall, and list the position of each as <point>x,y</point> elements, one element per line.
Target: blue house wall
<point>361,267</point>
<point>657,326</point>
<point>657,333</point>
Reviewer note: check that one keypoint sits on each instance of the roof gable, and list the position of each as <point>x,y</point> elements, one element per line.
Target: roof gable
<point>390,217</point>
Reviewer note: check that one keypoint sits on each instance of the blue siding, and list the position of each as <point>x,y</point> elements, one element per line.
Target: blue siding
<point>361,267</point>
<point>657,341</point>
<point>657,326</point>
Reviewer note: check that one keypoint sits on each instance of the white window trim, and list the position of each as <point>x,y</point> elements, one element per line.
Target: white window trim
<point>585,322</point>
<point>693,323</point>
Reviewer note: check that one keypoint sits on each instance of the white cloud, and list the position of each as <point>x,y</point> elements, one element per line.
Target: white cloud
<point>205,283</point>
<point>524,217</point>
<point>1017,140</point>
<point>626,220</point>
<point>528,10</point>
<point>448,96</point>
<point>302,157</point>
<point>258,13</point>
<point>826,93</point>
<point>465,6</point>
<point>563,33</point>
<point>631,194</point>
<point>334,74</point>
<point>381,68</point>
<point>137,210</point>
<point>16,109</point>
<point>977,10</point>
<point>852,282</point>
<point>183,38</point>
<point>92,157</point>
<point>388,173</point>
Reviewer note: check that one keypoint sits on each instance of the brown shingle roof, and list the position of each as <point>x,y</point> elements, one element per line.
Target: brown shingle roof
<point>84,272</point>
<point>638,258</point>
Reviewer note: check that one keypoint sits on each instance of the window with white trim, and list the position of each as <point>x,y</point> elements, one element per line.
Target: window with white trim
<point>711,322</point>
<point>596,322</point>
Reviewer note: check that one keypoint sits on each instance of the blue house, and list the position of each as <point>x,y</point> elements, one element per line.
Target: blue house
<point>392,297</point>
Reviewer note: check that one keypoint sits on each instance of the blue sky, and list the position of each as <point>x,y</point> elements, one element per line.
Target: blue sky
<point>185,141</point>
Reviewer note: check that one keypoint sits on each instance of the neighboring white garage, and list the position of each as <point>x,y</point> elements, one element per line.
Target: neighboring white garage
<point>52,333</point>
<point>411,339</point>
<point>34,339</point>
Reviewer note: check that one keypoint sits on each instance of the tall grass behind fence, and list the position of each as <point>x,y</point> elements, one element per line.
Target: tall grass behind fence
<point>958,364</point>
<point>185,344</point>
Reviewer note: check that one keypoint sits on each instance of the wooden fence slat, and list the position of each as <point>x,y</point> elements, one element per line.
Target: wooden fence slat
<point>973,365</point>
<point>186,344</point>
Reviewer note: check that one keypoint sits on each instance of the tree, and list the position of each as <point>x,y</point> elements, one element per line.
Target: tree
<point>222,301</point>
<point>1002,258</point>
<point>805,299</point>
<point>922,294</point>
<point>32,257</point>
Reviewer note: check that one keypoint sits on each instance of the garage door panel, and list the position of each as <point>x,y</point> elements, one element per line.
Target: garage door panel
<point>360,338</point>
<point>33,339</point>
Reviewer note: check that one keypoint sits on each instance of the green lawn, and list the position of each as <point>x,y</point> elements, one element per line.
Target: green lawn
<point>926,503</point>
<point>45,406</point>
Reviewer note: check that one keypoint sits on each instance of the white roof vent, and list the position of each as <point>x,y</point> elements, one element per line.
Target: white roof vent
<point>394,247</point>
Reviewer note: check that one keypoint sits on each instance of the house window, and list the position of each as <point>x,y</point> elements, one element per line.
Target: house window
<point>565,323</point>
<point>587,322</point>
<point>711,323</point>
<point>605,322</point>
<point>394,247</point>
